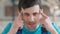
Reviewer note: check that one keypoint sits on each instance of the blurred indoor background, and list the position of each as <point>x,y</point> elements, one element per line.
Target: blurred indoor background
<point>8,11</point>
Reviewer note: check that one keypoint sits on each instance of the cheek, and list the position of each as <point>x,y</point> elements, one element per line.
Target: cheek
<point>36,18</point>
<point>25,18</point>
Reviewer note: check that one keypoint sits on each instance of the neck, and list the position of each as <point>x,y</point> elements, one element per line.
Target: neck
<point>32,29</point>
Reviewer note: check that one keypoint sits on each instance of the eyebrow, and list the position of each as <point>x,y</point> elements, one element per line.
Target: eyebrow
<point>36,12</point>
<point>26,13</point>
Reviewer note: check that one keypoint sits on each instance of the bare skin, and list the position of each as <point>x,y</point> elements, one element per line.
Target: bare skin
<point>18,23</point>
<point>31,15</point>
<point>46,22</point>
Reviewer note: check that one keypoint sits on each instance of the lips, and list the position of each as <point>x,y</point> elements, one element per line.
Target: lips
<point>31,23</point>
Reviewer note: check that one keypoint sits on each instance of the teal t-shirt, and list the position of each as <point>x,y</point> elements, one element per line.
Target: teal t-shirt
<point>38,30</point>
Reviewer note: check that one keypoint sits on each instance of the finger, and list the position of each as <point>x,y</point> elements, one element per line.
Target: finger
<point>43,15</point>
<point>19,16</point>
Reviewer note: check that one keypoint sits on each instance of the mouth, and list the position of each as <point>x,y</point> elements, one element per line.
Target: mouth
<point>31,23</point>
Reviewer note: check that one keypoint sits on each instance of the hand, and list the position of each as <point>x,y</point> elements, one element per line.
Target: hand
<point>46,22</point>
<point>18,24</point>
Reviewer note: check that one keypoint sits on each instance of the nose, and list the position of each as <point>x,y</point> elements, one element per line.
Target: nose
<point>31,19</point>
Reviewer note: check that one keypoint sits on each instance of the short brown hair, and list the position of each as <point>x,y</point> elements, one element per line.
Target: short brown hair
<point>28,3</point>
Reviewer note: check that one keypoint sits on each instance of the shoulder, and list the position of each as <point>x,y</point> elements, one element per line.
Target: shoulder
<point>56,27</point>
<point>7,28</point>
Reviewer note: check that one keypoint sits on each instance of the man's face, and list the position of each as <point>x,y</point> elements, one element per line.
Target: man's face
<point>31,16</point>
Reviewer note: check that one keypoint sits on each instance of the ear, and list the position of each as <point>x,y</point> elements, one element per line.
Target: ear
<point>41,10</point>
<point>19,12</point>
<point>40,16</point>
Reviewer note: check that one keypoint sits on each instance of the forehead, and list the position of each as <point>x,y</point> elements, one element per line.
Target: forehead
<point>31,9</point>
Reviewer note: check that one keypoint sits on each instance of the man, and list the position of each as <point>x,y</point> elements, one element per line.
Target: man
<point>29,20</point>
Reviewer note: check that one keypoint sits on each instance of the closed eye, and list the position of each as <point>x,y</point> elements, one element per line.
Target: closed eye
<point>34,14</point>
<point>27,14</point>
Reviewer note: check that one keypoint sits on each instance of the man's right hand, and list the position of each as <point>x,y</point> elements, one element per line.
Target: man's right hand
<point>18,24</point>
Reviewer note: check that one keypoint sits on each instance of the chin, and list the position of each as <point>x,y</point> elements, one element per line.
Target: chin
<point>31,27</point>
